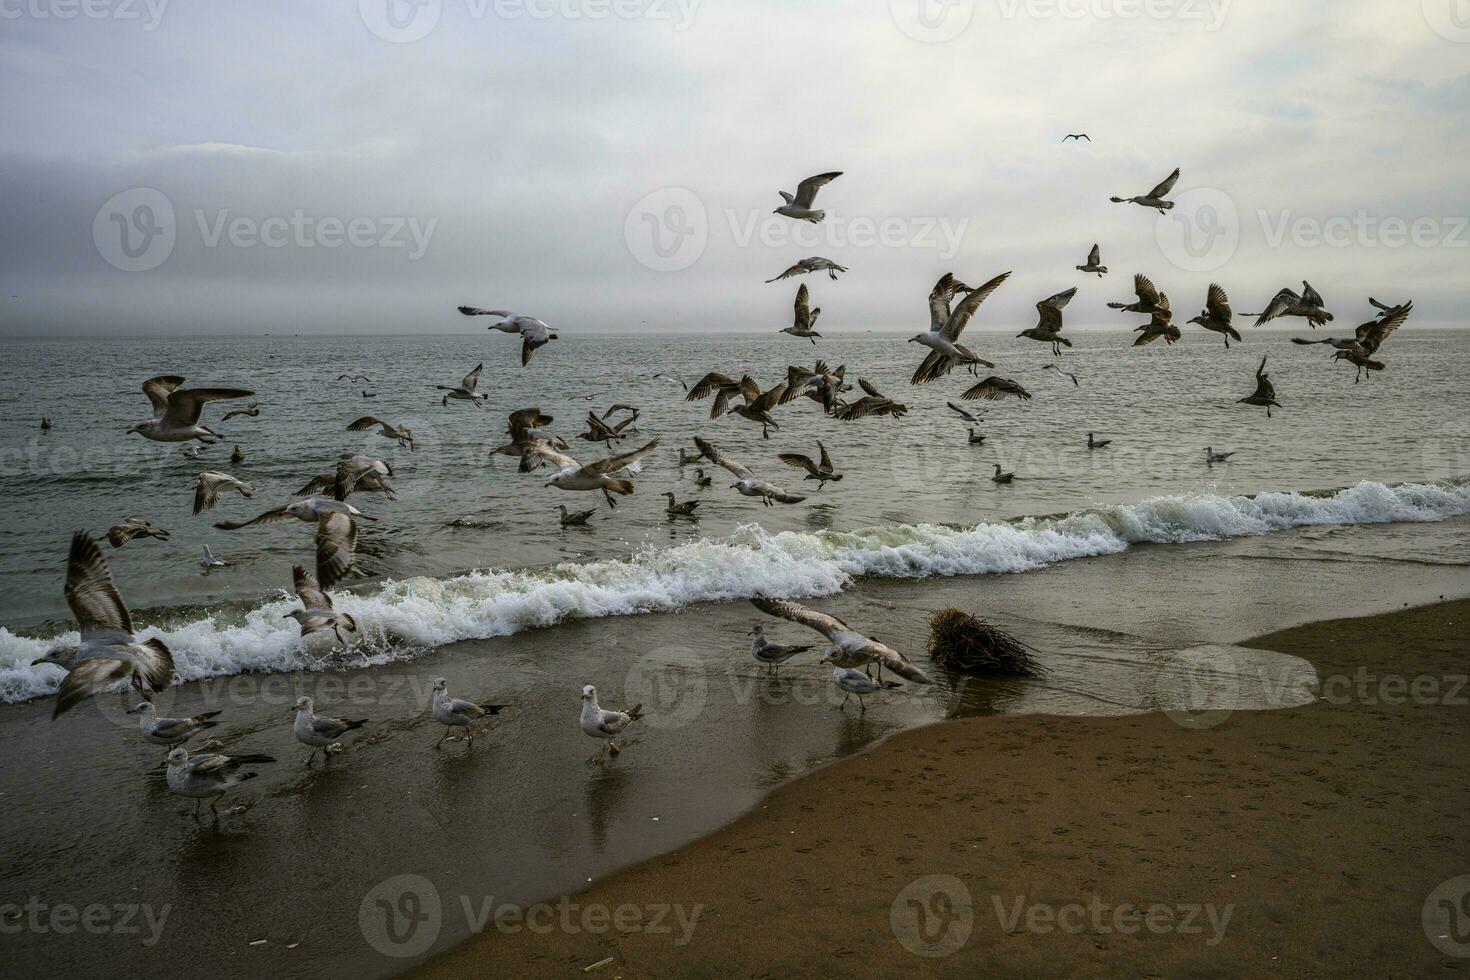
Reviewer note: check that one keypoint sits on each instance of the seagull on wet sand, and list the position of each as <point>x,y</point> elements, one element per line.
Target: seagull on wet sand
<point>1155,197</point>
<point>769,653</point>
<point>598,722</point>
<point>814,263</point>
<point>176,411</point>
<point>746,482</point>
<point>534,333</point>
<point>856,682</point>
<point>945,327</point>
<point>208,776</point>
<point>849,647</point>
<point>319,731</point>
<point>170,731</point>
<point>1094,262</point>
<point>210,485</point>
<point>799,205</point>
<point>453,713</point>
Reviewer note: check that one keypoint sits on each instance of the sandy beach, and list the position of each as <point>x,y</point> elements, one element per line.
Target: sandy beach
<point>1305,841</point>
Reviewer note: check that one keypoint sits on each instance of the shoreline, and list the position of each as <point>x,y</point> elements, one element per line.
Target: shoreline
<point>964,845</point>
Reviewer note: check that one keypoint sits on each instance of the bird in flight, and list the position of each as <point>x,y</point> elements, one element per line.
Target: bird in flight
<point>1076,136</point>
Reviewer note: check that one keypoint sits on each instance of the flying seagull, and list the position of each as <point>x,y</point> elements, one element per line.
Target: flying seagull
<point>467,390</point>
<point>176,411</point>
<point>1287,303</point>
<point>387,430</point>
<point>945,327</point>
<point>210,485</point>
<point>746,482</point>
<point>336,532</point>
<point>1076,136</point>
<point>534,333</point>
<point>966,415</point>
<point>1216,315</point>
<point>849,647</point>
<point>1265,393</point>
<point>1048,327</point>
<point>251,410</point>
<point>599,475</point>
<point>872,403</point>
<point>995,388</point>
<point>813,263</point>
<point>1148,297</point>
<point>1367,339</point>
<point>804,324</point>
<point>133,527</point>
<point>1155,197</point>
<point>799,206</point>
<point>821,470</point>
<point>316,612</point>
<point>1065,374</point>
<point>1161,324</point>
<point>1094,262</point>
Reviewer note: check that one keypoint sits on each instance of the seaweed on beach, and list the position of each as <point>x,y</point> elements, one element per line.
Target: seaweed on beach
<point>961,642</point>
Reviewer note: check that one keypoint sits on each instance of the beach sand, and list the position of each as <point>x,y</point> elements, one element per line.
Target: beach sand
<point>1304,841</point>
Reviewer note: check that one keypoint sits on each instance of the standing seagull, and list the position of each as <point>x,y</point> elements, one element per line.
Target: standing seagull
<point>849,647</point>
<point>107,651</point>
<point>1287,303</point>
<point>799,206</point>
<point>598,722</point>
<point>1155,197</point>
<point>600,475</point>
<point>1094,262</point>
<point>945,327</point>
<point>318,731</point>
<point>1048,328</point>
<point>176,411</point>
<point>814,263</point>
<point>467,390</point>
<point>1216,315</point>
<point>453,713</point>
<point>856,682</point>
<point>771,654</point>
<point>534,333</point>
<point>169,731</point>
<point>746,482</point>
<point>805,322</point>
<point>1265,393</point>
<point>208,776</point>
<point>821,470</point>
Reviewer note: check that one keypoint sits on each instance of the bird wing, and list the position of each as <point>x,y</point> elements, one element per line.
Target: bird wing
<point>365,423</point>
<point>955,325</point>
<point>1144,287</point>
<point>1311,295</point>
<point>158,389</point>
<point>798,461</point>
<point>472,380</point>
<point>1051,310</point>
<point>90,591</point>
<point>309,590</point>
<point>770,398</point>
<point>1218,303</point>
<point>206,491</point>
<point>828,626</point>
<point>549,452</point>
<point>939,299</point>
<point>706,385</point>
<point>278,514</point>
<point>88,678</point>
<point>336,537</point>
<point>803,307</point>
<point>806,191</point>
<point>185,406</point>
<point>1280,303</point>
<point>1373,333</point>
<point>1095,256</point>
<point>527,418</point>
<point>713,454</point>
<point>476,311</point>
<point>318,484</point>
<point>994,388</point>
<point>867,386</point>
<point>826,460</point>
<point>955,408</point>
<point>614,463</point>
<point>1166,185</point>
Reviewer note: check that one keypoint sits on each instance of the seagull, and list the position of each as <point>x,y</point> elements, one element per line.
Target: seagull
<point>676,509</point>
<point>1097,443</point>
<point>1076,136</point>
<point>856,682</point>
<point>1161,324</point>
<point>1094,262</point>
<point>1265,393</point>
<point>806,318</point>
<point>45,423</point>
<point>577,518</point>
<point>526,428</point>
<point>821,470</point>
<point>1048,328</point>
<point>387,430</point>
<point>1366,340</point>
<point>600,431</point>
<point>1065,374</point>
<point>724,389</point>
<point>746,482</point>
<point>813,263</point>
<point>773,655</point>
<point>1216,315</point>
<point>759,407</point>
<point>534,333</point>
<point>170,731</point>
<point>354,377</point>
<point>872,403</point>
<point>943,338</point>
<point>453,713</point>
<point>1148,297</point>
<point>799,206</point>
<point>966,415</point>
<point>176,411</point>
<point>210,485</point>
<point>1287,303</point>
<point>208,776</point>
<point>1001,476</point>
<point>366,395</point>
<point>316,612</point>
<point>317,731</point>
<point>1383,308</point>
<point>336,532</point>
<point>821,384</point>
<point>354,473</point>
<point>1213,457</point>
<point>209,561</point>
<point>467,390</point>
<point>236,456</point>
<point>976,439</point>
<point>107,651</point>
<point>1155,197</point>
<point>598,722</point>
<point>133,527</point>
<point>849,647</point>
<point>251,410</point>
<point>994,388</point>
<point>599,475</point>
<point>672,380</point>
<point>701,481</point>
<point>686,457</point>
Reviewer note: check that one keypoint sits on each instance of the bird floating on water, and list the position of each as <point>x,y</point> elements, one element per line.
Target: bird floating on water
<point>1097,443</point>
<point>575,518</point>
<point>1213,457</point>
<point>678,509</point>
<point>1001,476</point>
<point>210,561</point>
<point>976,439</point>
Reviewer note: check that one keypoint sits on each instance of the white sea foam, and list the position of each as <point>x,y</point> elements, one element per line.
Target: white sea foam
<point>401,619</point>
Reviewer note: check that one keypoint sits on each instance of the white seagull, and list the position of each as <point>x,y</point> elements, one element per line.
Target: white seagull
<point>534,333</point>
<point>746,482</point>
<point>176,411</point>
<point>454,713</point>
<point>799,206</point>
<point>208,776</point>
<point>945,350</point>
<point>813,263</point>
<point>318,731</point>
<point>1155,197</point>
<point>849,647</point>
<point>598,722</point>
<point>170,731</point>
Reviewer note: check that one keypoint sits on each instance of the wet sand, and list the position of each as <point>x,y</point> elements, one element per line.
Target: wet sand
<point>1305,841</point>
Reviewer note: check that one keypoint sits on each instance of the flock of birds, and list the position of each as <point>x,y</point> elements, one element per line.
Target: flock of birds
<point>110,651</point>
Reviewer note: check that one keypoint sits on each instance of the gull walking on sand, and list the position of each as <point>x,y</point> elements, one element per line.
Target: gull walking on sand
<point>599,475</point>
<point>1155,197</point>
<point>170,731</point>
<point>176,411</point>
<point>210,485</point>
<point>318,731</point>
<point>402,433</point>
<point>453,713</point>
<point>856,682</point>
<point>107,650</point>
<point>945,327</point>
<point>821,470</point>
<point>597,722</point>
<point>1094,262</point>
<point>1216,316</point>
<point>466,391</point>
<point>849,647</point>
<point>316,612</point>
<point>534,333</point>
<point>208,776</point>
<point>799,205</point>
<point>133,527</point>
<point>746,482</point>
<point>805,319</point>
<point>814,263</point>
<point>770,653</point>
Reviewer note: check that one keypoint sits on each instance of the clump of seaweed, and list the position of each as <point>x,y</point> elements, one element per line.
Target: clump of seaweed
<point>961,642</point>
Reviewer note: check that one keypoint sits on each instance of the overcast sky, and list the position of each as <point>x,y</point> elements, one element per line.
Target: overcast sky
<point>612,165</point>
